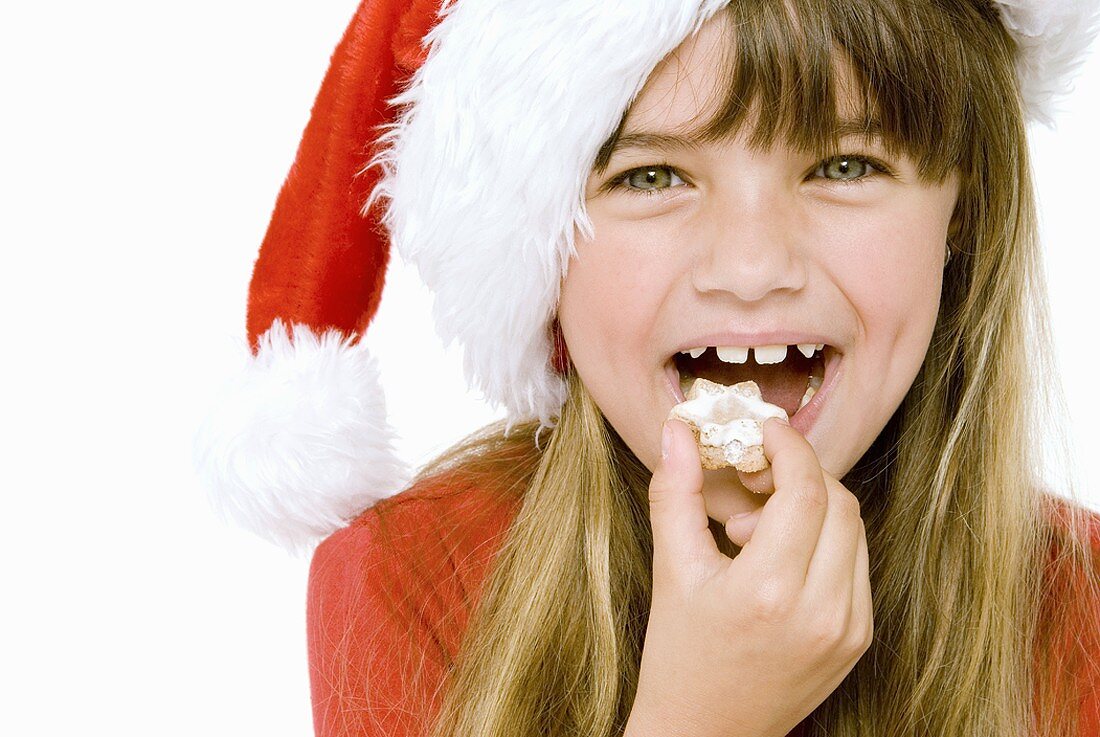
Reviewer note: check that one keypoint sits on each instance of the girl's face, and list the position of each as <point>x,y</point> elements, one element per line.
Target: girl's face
<point>728,240</point>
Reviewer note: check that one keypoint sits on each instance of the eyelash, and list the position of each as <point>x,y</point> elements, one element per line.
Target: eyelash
<point>619,182</point>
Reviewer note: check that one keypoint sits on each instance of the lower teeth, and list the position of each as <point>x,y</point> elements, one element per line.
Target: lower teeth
<point>810,392</point>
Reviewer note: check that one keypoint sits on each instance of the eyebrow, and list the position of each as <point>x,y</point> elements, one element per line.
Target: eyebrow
<point>660,141</point>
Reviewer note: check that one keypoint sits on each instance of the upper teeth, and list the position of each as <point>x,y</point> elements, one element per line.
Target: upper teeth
<point>763,353</point>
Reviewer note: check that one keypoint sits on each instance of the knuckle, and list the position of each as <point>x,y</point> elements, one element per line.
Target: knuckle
<point>830,630</point>
<point>655,495</point>
<point>810,497</point>
<point>658,491</point>
<point>867,639</point>
<point>847,503</point>
<point>869,630</point>
<point>769,602</point>
<point>858,639</point>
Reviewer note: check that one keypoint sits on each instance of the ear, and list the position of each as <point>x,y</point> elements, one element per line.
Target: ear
<point>955,227</point>
<point>560,359</point>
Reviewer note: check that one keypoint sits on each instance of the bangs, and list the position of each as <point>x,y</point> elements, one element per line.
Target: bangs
<point>809,73</point>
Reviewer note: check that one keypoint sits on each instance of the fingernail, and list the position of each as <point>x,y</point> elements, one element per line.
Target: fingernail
<point>739,515</point>
<point>666,440</point>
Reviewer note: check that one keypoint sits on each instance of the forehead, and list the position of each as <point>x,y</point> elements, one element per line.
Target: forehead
<point>760,75</point>
<point>685,87</point>
<point>688,88</point>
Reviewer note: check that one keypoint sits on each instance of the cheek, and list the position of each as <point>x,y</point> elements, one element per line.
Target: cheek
<point>894,276</point>
<point>613,287</point>
<point>902,280</point>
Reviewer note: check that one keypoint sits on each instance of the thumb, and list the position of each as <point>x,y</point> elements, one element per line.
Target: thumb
<point>682,540</point>
<point>739,529</point>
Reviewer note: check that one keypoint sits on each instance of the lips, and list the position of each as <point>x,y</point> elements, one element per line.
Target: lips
<point>784,384</point>
<point>805,417</point>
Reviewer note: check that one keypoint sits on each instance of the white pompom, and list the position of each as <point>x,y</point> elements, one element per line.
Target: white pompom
<point>298,443</point>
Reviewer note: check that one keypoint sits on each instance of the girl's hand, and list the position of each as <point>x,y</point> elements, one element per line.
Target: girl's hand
<point>751,645</point>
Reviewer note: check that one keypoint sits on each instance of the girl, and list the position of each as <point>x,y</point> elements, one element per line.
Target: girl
<point>595,191</point>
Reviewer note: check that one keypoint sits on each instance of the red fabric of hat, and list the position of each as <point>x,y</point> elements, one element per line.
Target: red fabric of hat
<point>322,264</point>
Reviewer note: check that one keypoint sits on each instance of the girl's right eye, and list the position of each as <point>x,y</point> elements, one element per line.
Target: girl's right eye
<point>647,180</point>
<point>658,179</point>
<point>846,169</point>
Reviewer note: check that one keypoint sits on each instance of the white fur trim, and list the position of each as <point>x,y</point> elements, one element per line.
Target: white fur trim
<point>494,246</point>
<point>298,444</point>
<point>1053,36</point>
<point>500,114</point>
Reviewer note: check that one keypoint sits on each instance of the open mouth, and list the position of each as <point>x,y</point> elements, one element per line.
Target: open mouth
<point>789,381</point>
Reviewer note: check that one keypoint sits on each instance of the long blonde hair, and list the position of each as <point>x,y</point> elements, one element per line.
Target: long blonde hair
<point>970,552</point>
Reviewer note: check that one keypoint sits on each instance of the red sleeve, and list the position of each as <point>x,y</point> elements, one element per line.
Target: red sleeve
<point>1090,631</point>
<point>366,649</point>
<point>1075,649</point>
<point>388,601</point>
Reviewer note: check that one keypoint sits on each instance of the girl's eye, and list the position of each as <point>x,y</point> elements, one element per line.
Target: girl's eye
<point>850,168</point>
<point>647,180</point>
<point>657,179</point>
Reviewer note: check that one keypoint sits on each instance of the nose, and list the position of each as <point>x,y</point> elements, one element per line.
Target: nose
<point>749,244</point>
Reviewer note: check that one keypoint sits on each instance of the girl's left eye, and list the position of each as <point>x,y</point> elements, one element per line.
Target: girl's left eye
<point>647,180</point>
<point>657,179</point>
<point>850,168</point>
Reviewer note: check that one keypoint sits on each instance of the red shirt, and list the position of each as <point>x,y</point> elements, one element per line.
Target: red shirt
<point>389,599</point>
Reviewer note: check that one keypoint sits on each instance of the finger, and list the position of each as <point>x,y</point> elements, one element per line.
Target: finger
<point>862,604</point>
<point>739,529</point>
<point>682,540</point>
<point>786,535</point>
<point>831,568</point>
<point>758,482</point>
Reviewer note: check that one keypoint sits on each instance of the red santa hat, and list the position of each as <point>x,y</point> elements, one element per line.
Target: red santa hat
<point>423,135</point>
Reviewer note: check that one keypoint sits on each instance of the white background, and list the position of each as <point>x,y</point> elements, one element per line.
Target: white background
<point>143,148</point>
